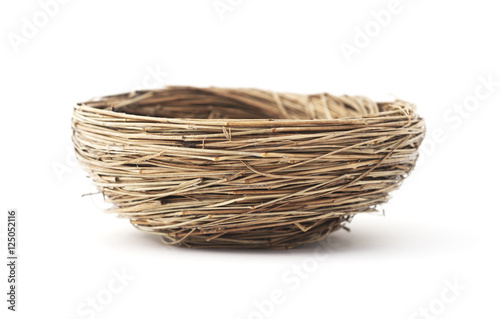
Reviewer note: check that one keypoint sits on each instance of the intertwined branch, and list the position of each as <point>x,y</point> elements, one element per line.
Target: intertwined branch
<point>218,167</point>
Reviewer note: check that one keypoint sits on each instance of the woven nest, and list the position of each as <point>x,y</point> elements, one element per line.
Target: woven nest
<point>216,167</point>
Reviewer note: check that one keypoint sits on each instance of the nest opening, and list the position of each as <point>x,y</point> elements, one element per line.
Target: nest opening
<point>191,103</point>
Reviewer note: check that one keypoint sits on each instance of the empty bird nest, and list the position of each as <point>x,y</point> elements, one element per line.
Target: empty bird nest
<point>244,168</point>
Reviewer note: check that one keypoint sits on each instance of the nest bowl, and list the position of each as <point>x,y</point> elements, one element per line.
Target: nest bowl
<point>244,168</point>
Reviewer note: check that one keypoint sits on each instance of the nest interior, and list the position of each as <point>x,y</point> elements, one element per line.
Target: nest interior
<point>217,167</point>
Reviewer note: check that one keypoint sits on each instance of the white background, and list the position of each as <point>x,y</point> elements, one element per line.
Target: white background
<point>440,229</point>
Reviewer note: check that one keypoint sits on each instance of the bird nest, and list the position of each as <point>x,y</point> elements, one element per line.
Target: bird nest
<point>217,167</point>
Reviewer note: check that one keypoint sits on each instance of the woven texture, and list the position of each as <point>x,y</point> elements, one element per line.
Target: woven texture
<point>216,167</point>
